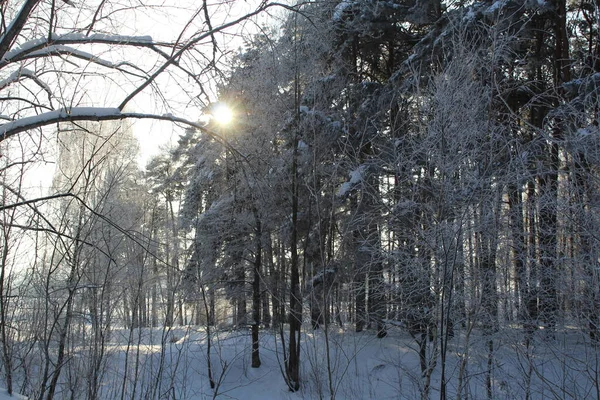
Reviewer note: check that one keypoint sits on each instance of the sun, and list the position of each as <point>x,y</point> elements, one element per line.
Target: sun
<point>222,113</point>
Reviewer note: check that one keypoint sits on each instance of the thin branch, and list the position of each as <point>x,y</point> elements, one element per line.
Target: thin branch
<point>263,6</point>
<point>32,202</point>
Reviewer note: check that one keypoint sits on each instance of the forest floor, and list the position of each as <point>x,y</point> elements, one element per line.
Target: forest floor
<point>173,364</point>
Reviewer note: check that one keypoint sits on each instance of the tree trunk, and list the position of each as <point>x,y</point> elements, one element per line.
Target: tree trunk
<point>295,318</point>
<point>256,303</point>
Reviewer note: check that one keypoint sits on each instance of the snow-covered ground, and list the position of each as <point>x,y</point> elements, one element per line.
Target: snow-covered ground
<point>172,364</point>
<point>4,395</point>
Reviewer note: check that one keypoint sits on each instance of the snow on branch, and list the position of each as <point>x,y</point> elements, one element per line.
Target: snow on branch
<point>74,114</point>
<point>24,73</point>
<point>15,26</point>
<point>356,177</point>
<point>58,50</point>
<point>339,10</point>
<point>41,43</point>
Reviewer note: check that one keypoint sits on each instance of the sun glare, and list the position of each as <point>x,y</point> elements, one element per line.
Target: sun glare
<point>222,114</point>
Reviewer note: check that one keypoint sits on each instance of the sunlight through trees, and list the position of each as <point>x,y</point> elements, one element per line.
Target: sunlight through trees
<point>380,199</point>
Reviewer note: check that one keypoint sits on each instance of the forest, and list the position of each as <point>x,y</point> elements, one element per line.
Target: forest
<point>401,203</point>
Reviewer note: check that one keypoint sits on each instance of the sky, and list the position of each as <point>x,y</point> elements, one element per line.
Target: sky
<point>164,23</point>
<point>156,135</point>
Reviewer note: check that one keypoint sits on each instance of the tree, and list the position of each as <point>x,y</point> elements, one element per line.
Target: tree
<point>39,52</point>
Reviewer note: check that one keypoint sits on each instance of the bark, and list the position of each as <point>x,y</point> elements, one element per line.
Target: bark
<point>256,303</point>
<point>295,319</point>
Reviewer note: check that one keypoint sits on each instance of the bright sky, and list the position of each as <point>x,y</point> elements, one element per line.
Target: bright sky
<point>164,23</point>
<point>156,134</point>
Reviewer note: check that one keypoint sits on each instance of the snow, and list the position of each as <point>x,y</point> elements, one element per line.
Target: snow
<point>24,48</point>
<point>587,131</point>
<point>470,15</point>
<point>318,278</point>
<point>338,12</point>
<point>499,4</point>
<point>15,76</point>
<point>60,49</point>
<point>5,396</point>
<point>583,132</point>
<point>99,37</point>
<point>356,177</point>
<point>328,78</point>
<point>73,38</point>
<point>359,365</point>
<point>62,113</point>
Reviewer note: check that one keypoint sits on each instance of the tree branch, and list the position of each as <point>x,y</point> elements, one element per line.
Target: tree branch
<point>99,114</point>
<point>15,27</point>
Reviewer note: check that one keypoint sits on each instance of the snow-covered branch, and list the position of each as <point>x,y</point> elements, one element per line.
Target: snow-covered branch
<point>24,73</point>
<point>16,26</point>
<point>75,114</point>
<point>39,46</point>
<point>59,50</point>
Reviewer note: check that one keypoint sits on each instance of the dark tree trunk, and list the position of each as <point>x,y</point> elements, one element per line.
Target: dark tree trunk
<point>256,303</point>
<point>295,317</point>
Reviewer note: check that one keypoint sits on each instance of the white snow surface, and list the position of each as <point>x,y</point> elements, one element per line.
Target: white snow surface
<point>5,396</point>
<point>361,366</point>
